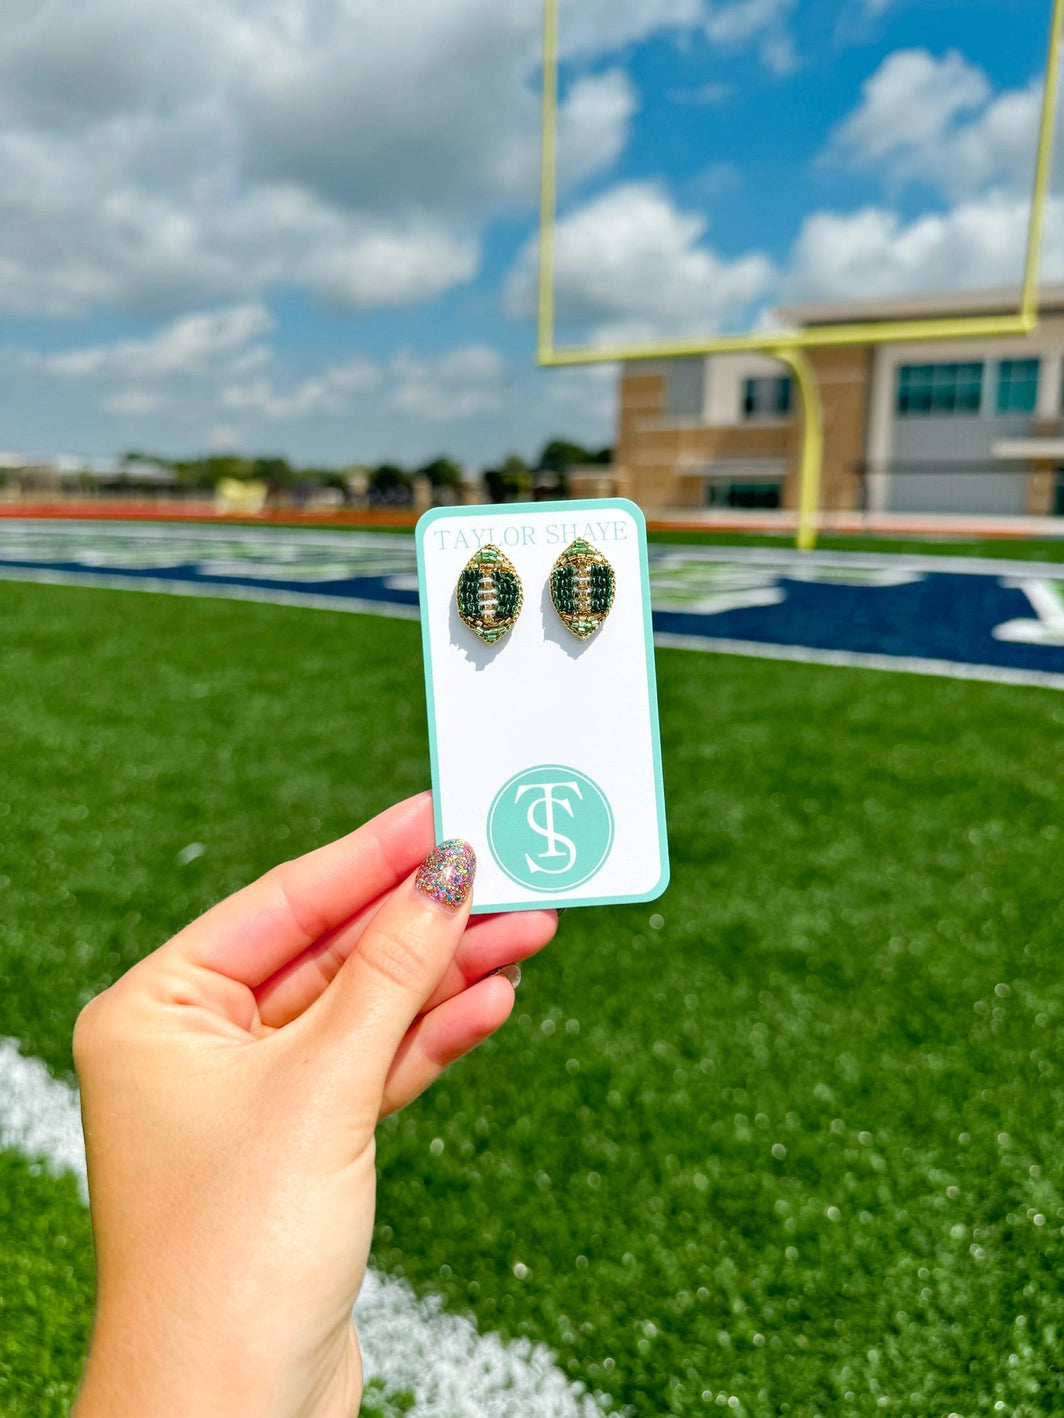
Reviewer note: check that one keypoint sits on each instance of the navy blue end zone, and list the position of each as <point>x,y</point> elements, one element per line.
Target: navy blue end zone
<point>941,617</point>
<point>975,619</point>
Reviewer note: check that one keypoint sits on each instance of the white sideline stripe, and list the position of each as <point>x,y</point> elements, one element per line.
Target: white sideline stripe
<point>858,659</point>
<point>409,1344</point>
<point>217,590</point>
<point>860,560</point>
<point>269,534</point>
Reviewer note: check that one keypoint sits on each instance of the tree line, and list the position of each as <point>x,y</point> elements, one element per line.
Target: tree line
<point>384,484</point>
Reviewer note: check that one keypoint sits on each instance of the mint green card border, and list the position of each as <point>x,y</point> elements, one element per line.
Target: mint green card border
<point>509,509</point>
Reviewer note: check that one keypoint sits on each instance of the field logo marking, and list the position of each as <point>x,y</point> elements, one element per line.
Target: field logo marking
<point>550,828</point>
<point>1047,600</point>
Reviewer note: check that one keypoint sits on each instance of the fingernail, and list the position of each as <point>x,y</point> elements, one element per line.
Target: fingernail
<point>512,973</point>
<point>446,875</point>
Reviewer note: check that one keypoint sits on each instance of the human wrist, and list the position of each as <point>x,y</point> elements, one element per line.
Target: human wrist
<point>137,1374</point>
<point>145,1377</point>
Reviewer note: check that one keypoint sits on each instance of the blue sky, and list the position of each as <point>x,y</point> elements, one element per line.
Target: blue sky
<point>308,226</point>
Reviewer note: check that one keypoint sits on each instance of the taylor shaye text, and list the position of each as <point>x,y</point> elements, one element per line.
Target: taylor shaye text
<point>529,535</point>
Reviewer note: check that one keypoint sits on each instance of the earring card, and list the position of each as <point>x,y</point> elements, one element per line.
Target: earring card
<point>545,747</point>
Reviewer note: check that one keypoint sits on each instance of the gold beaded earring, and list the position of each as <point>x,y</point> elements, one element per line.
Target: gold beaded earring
<point>489,594</point>
<point>582,587</point>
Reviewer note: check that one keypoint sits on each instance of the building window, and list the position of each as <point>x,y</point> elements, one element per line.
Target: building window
<point>1017,391</point>
<point>940,389</point>
<point>767,398</point>
<point>725,494</point>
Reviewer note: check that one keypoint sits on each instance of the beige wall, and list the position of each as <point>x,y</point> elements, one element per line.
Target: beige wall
<point>843,376</point>
<point>658,463</point>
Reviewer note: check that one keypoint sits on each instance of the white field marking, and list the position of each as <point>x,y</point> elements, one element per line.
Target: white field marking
<point>40,1116</point>
<point>856,659</point>
<point>65,531</point>
<point>1045,598</point>
<point>212,590</point>
<point>409,1344</point>
<point>291,539</point>
<point>860,560</point>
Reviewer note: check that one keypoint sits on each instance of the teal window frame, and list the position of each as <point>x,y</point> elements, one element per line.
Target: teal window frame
<point>931,390</point>
<point>1017,386</point>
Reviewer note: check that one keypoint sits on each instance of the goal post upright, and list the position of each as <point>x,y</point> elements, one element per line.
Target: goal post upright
<point>791,347</point>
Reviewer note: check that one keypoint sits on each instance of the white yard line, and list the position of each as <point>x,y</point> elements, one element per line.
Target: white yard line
<point>661,552</point>
<point>858,659</point>
<point>215,590</point>
<point>409,1344</point>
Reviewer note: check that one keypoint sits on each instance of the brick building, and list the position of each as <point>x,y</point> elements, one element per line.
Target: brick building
<point>970,426</point>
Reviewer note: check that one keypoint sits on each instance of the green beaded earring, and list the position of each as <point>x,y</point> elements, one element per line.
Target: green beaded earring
<point>489,595</point>
<point>582,587</point>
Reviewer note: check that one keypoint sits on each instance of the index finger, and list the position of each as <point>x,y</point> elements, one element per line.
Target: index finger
<point>253,933</point>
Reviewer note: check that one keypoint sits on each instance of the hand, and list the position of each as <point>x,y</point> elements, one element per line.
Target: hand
<point>231,1083</point>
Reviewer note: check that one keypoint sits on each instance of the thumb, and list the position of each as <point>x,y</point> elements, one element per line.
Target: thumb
<point>399,961</point>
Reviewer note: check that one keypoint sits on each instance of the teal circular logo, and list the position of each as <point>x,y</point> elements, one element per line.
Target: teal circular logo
<point>550,828</point>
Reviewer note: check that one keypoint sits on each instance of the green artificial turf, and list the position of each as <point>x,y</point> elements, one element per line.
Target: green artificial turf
<point>46,1286</point>
<point>786,1142</point>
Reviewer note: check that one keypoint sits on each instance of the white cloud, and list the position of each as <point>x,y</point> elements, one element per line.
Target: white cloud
<point>388,267</point>
<point>217,150</point>
<point>186,346</point>
<point>328,393</point>
<point>873,252</point>
<point>632,265</point>
<point>207,236</point>
<point>597,26</point>
<point>911,99</point>
<point>937,121</point>
<point>600,26</point>
<point>255,357</point>
<point>779,54</point>
<point>738,21</point>
<point>221,151</point>
<point>455,385</point>
<point>709,95</point>
<point>593,125</point>
<point>714,180</point>
<point>735,24</point>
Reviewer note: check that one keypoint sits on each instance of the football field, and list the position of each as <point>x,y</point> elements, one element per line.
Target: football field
<point>787,1141</point>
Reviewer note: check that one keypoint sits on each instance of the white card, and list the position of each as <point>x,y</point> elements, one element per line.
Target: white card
<point>545,748</point>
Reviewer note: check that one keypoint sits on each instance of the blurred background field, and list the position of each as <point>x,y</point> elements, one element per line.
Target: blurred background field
<point>786,1142</point>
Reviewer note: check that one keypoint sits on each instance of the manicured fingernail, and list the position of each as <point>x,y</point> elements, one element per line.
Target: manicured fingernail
<point>446,875</point>
<point>512,973</point>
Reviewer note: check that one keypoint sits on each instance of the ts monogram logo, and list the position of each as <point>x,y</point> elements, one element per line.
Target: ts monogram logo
<point>550,828</point>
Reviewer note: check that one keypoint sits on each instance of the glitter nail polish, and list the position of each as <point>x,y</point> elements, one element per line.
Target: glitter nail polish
<point>446,875</point>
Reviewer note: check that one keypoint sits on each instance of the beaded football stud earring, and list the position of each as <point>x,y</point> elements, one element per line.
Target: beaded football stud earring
<point>489,594</point>
<point>582,587</point>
